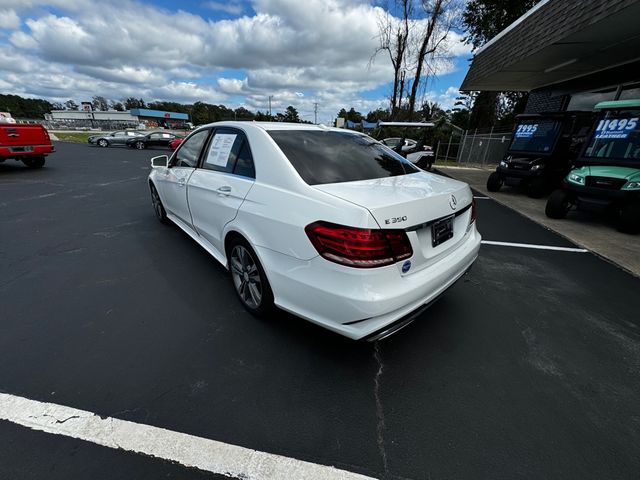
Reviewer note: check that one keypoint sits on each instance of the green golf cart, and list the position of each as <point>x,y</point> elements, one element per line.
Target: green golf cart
<point>606,176</point>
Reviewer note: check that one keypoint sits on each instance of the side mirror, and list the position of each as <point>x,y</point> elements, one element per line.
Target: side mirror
<point>161,161</point>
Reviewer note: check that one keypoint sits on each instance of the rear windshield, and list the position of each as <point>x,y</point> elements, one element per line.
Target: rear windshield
<point>616,137</point>
<point>335,157</point>
<point>535,136</point>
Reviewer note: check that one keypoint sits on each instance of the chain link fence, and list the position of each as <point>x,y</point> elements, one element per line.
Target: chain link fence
<point>484,147</point>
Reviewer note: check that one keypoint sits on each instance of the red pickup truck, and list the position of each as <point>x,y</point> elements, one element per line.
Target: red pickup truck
<point>29,143</point>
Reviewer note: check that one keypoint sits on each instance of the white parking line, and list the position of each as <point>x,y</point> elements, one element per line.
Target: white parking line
<point>188,450</point>
<point>536,247</point>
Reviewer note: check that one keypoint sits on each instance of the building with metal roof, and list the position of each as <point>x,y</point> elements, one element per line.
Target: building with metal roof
<point>136,118</point>
<point>145,113</point>
<point>567,54</point>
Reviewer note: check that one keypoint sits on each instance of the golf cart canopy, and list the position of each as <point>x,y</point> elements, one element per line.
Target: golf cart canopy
<point>617,104</point>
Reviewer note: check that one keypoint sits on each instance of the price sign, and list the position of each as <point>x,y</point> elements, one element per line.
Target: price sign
<point>526,131</point>
<point>616,127</point>
<point>220,149</point>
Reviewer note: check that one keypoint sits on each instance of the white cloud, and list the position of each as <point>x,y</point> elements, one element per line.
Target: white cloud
<point>9,19</point>
<point>126,48</point>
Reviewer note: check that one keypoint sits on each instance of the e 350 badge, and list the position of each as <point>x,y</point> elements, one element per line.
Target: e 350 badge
<point>389,221</point>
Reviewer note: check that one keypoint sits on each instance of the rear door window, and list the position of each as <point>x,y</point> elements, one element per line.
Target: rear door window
<point>333,157</point>
<point>229,152</point>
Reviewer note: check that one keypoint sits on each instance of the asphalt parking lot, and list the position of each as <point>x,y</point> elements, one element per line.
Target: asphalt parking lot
<point>527,368</point>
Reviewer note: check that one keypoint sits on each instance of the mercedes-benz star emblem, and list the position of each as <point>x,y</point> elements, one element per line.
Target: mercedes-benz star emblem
<point>453,203</point>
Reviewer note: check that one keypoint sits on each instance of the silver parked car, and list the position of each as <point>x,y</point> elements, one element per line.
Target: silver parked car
<point>113,138</point>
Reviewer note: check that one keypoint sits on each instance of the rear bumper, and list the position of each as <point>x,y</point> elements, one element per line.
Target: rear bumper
<point>15,151</point>
<point>361,303</point>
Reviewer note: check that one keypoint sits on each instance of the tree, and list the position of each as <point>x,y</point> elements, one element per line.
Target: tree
<point>291,115</point>
<point>57,106</point>
<point>29,108</point>
<point>377,115</point>
<point>484,19</point>
<point>168,107</point>
<point>483,112</point>
<point>199,113</point>
<point>394,39</point>
<point>242,113</point>
<point>436,32</point>
<point>415,43</point>
<point>117,106</point>
<point>351,115</point>
<point>132,102</point>
<point>100,103</point>
<point>461,111</point>
<point>263,117</point>
<point>71,105</point>
<point>432,111</point>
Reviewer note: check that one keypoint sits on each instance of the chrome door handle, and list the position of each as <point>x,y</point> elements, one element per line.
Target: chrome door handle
<point>226,190</point>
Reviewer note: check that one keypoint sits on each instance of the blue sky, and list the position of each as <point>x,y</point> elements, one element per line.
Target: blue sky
<point>235,52</point>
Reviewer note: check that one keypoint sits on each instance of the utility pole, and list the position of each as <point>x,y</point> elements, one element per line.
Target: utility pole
<point>270,97</point>
<point>315,113</point>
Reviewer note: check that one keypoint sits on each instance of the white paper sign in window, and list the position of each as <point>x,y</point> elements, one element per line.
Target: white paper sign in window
<point>220,149</point>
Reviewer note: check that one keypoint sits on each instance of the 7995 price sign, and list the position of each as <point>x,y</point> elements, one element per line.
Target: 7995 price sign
<point>616,127</point>
<point>526,131</point>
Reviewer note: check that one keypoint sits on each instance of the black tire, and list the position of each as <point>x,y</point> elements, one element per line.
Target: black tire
<point>103,143</point>
<point>629,220</point>
<point>558,204</point>
<point>494,182</point>
<point>249,280</point>
<point>158,208</point>
<point>537,187</point>
<point>34,162</point>
<point>140,145</point>
<point>425,162</point>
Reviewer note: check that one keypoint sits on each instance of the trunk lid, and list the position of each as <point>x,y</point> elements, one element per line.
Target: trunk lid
<point>404,201</point>
<point>413,203</point>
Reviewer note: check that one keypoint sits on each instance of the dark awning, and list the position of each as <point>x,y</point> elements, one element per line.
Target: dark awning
<point>557,41</point>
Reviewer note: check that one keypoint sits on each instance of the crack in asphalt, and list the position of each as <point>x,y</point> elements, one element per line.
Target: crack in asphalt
<point>379,410</point>
<point>57,420</point>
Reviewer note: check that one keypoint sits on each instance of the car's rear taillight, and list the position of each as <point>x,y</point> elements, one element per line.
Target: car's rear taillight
<point>473,211</point>
<point>359,247</point>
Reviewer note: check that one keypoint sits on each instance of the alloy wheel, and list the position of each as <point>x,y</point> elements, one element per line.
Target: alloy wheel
<point>246,277</point>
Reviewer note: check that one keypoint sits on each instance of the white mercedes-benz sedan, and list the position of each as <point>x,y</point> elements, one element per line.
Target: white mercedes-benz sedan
<point>325,223</point>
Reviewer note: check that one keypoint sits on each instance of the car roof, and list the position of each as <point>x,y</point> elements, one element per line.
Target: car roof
<point>277,126</point>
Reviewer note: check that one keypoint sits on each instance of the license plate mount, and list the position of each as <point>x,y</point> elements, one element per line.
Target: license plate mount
<point>442,230</point>
<point>28,148</point>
